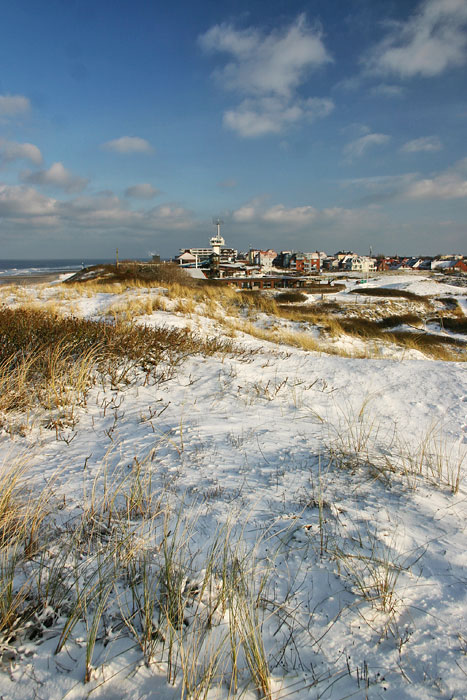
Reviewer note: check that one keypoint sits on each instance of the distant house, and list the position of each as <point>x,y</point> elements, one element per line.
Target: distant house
<point>453,265</point>
<point>330,263</point>
<point>359,263</point>
<point>285,258</point>
<point>443,265</point>
<point>185,258</point>
<point>460,266</point>
<point>415,263</point>
<point>383,264</point>
<point>264,258</point>
<point>307,263</point>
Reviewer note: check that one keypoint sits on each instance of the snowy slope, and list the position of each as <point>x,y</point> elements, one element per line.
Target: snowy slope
<point>306,457</point>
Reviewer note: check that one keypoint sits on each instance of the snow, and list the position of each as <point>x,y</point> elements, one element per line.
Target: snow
<point>255,443</point>
<point>421,284</point>
<point>195,273</point>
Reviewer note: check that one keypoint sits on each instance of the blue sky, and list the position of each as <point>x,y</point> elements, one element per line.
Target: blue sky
<point>320,125</point>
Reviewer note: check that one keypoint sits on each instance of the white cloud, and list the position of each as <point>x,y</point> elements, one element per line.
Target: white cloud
<point>12,150</point>
<point>381,188</point>
<point>432,40</point>
<point>102,207</point>
<point>13,105</point>
<point>270,115</point>
<point>449,184</point>
<point>24,211</point>
<point>274,63</point>
<point>246,213</point>
<point>358,147</point>
<point>305,217</point>
<point>426,143</point>
<point>142,191</point>
<point>267,69</point>
<point>444,186</point>
<point>296,216</point>
<point>106,211</point>
<point>169,217</point>
<point>57,176</point>
<point>128,144</point>
<point>18,202</point>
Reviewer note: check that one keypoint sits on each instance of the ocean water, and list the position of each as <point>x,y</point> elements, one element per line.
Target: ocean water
<point>13,268</point>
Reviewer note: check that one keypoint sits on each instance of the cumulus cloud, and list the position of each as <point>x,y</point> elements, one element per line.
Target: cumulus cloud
<point>274,63</point>
<point>128,144</point>
<point>103,210</point>
<point>100,219</point>
<point>267,69</point>
<point>432,40</point>
<point>249,211</point>
<point>283,218</point>
<point>169,217</point>
<point>449,184</point>
<point>270,115</point>
<point>13,106</point>
<point>245,213</point>
<point>296,216</point>
<point>12,150</point>
<point>358,147</point>
<point>444,186</point>
<point>19,202</point>
<point>142,191</point>
<point>381,188</point>
<point>56,176</point>
<point>426,143</point>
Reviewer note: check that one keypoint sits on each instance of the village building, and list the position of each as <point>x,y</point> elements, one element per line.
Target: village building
<point>308,263</point>
<point>263,258</point>
<point>359,263</point>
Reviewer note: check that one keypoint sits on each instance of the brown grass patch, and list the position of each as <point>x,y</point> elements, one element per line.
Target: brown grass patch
<point>324,288</point>
<point>390,293</point>
<point>290,297</point>
<point>435,346</point>
<point>52,360</point>
<point>328,307</point>
<point>458,325</point>
<point>134,274</point>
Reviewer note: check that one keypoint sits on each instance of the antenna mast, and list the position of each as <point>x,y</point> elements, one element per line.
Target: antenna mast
<point>217,241</point>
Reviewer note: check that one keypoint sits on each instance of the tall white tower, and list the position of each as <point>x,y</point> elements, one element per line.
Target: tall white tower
<point>217,241</point>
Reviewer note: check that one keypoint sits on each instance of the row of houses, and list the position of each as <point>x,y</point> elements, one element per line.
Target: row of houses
<point>223,261</point>
<point>442,263</point>
<point>269,260</point>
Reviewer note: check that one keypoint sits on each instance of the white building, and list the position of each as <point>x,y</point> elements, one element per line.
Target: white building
<point>217,242</point>
<point>359,263</point>
<point>264,258</point>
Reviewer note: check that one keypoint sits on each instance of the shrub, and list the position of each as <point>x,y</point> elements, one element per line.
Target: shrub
<point>290,297</point>
<point>134,272</point>
<point>459,325</point>
<point>389,292</point>
<point>325,288</point>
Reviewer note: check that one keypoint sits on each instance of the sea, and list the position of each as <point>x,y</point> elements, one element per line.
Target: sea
<point>35,267</point>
